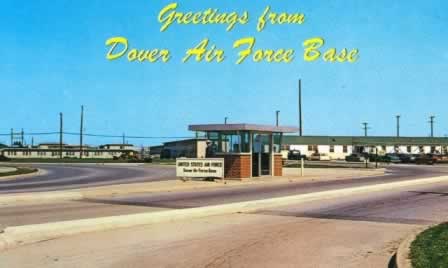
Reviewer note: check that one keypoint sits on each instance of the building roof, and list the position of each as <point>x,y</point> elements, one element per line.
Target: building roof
<point>51,143</point>
<point>362,140</point>
<point>184,141</point>
<point>117,144</point>
<point>242,127</point>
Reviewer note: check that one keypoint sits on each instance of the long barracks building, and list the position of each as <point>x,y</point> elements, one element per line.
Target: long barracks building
<point>53,150</point>
<point>337,147</point>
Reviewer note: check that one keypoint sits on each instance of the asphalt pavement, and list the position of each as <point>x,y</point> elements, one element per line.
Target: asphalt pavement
<point>198,198</point>
<point>118,204</point>
<point>74,176</point>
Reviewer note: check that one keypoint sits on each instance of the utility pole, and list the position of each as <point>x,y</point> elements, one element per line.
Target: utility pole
<point>12,137</point>
<point>398,125</point>
<point>276,117</point>
<point>431,122</point>
<point>21,138</point>
<point>60,134</point>
<point>124,137</point>
<point>225,120</point>
<point>80,132</point>
<point>366,127</point>
<point>300,108</point>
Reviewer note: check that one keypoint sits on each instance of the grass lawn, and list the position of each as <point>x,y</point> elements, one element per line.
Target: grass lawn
<point>164,161</point>
<point>19,171</point>
<point>430,248</point>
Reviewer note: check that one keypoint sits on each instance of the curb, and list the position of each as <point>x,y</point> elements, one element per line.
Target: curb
<point>27,234</point>
<point>12,177</point>
<point>402,259</point>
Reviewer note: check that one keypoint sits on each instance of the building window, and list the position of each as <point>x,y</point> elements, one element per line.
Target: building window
<point>433,149</point>
<point>345,148</point>
<point>383,147</point>
<point>409,149</point>
<point>331,148</point>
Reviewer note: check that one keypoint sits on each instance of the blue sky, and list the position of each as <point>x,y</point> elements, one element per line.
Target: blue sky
<point>53,60</point>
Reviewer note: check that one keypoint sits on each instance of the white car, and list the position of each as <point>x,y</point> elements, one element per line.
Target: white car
<point>319,157</point>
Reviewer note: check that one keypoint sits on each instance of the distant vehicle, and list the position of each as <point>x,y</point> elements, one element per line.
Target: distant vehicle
<point>425,159</point>
<point>393,158</point>
<point>443,158</point>
<point>407,158</point>
<point>4,158</point>
<point>355,158</point>
<point>437,157</point>
<point>388,158</point>
<point>296,155</point>
<point>319,157</point>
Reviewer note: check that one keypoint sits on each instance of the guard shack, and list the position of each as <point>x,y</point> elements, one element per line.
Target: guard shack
<point>248,150</point>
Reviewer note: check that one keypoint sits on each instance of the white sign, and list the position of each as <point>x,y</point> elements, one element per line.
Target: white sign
<point>200,168</point>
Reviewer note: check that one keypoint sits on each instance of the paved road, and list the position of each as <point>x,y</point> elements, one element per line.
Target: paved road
<point>147,202</point>
<point>60,177</point>
<point>197,198</point>
<point>357,231</point>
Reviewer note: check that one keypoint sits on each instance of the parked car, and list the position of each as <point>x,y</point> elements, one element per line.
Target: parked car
<point>388,158</point>
<point>319,157</point>
<point>296,155</point>
<point>437,157</point>
<point>393,158</point>
<point>355,158</point>
<point>4,158</point>
<point>425,159</point>
<point>407,158</point>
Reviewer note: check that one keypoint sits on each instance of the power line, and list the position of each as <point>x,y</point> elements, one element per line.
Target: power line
<point>129,136</point>
<point>80,131</point>
<point>33,133</point>
<point>366,128</point>
<point>300,109</point>
<point>431,122</point>
<point>98,135</point>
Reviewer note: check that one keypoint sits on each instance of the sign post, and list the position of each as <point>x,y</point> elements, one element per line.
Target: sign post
<point>302,167</point>
<point>200,167</point>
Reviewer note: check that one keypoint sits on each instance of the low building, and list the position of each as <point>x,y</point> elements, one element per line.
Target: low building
<point>191,148</point>
<point>155,151</point>
<point>117,146</point>
<point>53,150</point>
<point>338,147</point>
